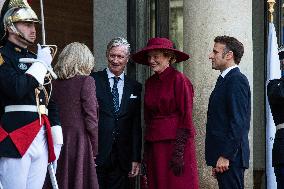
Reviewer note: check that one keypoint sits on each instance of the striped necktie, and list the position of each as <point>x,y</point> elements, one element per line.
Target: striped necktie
<point>115,94</point>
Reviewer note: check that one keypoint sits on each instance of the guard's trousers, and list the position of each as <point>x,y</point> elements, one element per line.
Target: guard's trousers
<point>29,171</point>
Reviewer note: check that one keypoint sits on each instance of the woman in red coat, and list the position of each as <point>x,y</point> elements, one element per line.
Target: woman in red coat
<point>169,139</point>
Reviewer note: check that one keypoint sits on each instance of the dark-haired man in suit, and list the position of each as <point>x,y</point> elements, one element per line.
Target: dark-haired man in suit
<point>228,116</point>
<point>119,99</point>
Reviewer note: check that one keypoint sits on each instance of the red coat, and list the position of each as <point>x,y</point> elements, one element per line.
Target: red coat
<point>168,106</point>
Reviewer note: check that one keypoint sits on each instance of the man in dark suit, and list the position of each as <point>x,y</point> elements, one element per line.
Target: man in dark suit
<point>228,116</point>
<point>119,99</point>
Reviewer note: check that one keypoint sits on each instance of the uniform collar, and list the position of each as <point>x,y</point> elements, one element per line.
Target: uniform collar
<point>16,48</point>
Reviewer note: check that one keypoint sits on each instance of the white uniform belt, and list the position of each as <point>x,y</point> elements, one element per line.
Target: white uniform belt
<point>280,126</point>
<point>26,108</point>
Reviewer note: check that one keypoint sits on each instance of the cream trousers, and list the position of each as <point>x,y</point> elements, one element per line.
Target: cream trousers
<point>29,171</point>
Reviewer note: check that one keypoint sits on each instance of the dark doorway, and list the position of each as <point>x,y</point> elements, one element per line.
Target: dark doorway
<point>66,21</point>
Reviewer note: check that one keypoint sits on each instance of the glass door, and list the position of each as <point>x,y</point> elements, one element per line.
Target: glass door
<point>176,27</point>
<point>166,20</point>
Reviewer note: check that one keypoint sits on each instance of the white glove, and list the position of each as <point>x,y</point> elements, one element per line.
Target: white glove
<point>57,137</point>
<point>44,56</point>
<point>57,150</point>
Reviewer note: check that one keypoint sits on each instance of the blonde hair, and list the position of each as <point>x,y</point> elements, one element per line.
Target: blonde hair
<point>75,59</point>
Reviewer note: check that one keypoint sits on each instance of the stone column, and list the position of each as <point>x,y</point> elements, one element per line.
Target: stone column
<point>203,21</point>
<point>110,20</point>
<point>259,40</point>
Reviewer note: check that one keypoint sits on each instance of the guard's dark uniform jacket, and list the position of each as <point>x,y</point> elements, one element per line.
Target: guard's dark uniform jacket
<point>18,88</point>
<point>275,93</point>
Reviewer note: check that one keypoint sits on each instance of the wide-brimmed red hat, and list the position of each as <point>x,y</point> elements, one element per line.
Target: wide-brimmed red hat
<point>158,44</point>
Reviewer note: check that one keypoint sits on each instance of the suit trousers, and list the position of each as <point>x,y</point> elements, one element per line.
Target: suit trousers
<point>29,171</point>
<point>232,178</point>
<point>279,173</point>
<point>111,175</point>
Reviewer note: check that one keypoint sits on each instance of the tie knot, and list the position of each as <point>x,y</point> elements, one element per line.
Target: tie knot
<point>115,79</point>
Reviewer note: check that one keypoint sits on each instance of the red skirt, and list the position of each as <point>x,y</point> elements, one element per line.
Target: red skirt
<point>160,175</point>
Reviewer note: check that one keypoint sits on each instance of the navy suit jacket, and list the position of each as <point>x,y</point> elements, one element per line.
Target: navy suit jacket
<point>228,121</point>
<point>125,128</point>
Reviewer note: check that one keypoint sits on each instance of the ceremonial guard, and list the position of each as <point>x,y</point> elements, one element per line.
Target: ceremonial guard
<point>30,132</point>
<point>275,93</point>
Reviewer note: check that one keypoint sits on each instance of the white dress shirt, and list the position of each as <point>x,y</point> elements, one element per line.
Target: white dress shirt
<point>224,73</point>
<point>120,83</point>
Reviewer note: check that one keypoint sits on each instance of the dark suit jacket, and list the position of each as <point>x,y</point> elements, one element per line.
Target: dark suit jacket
<point>228,121</point>
<point>126,127</point>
